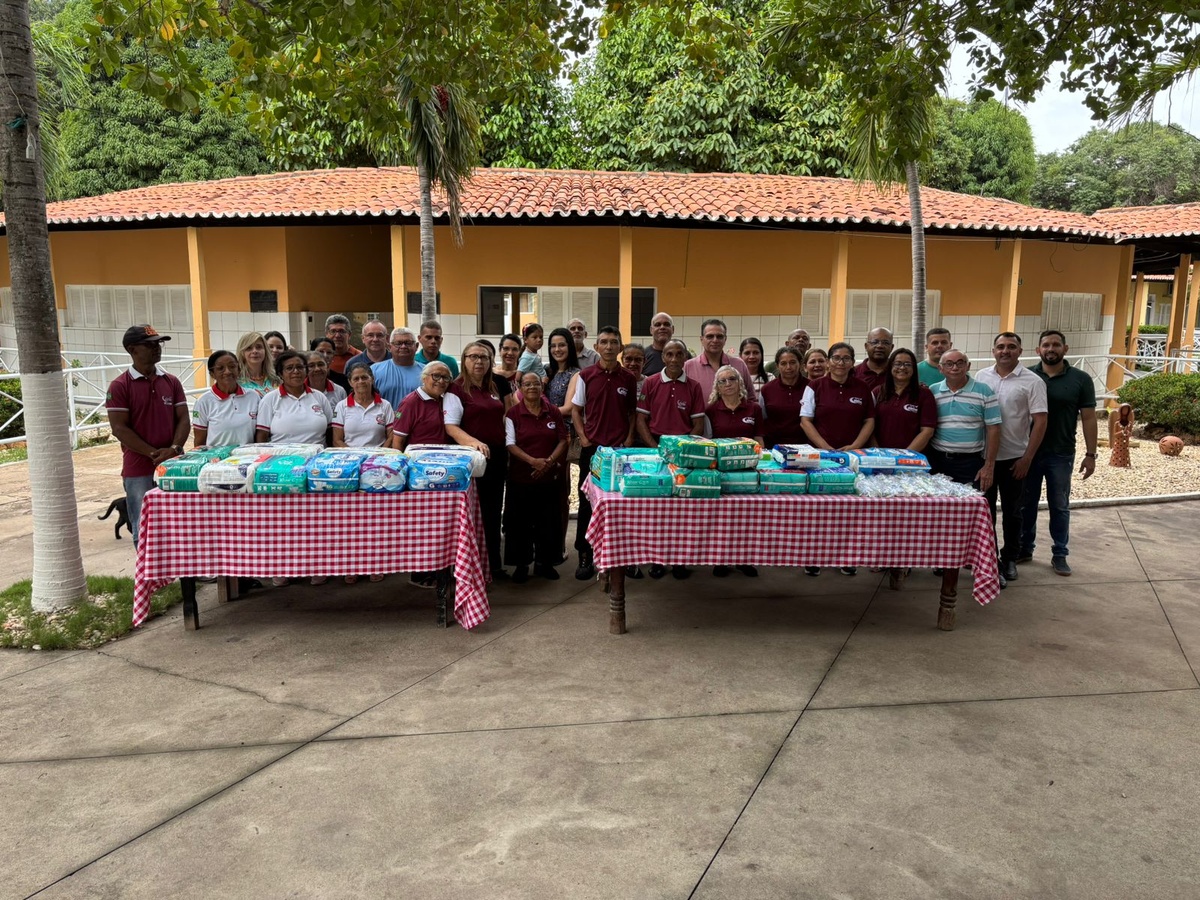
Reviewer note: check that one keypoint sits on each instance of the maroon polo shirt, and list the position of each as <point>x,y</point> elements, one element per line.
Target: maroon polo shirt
<point>610,398</point>
<point>538,435</point>
<point>864,374</point>
<point>841,409</point>
<point>420,419</point>
<point>151,403</point>
<point>782,422</point>
<point>483,414</point>
<point>673,406</point>
<point>899,420</point>
<point>744,421</point>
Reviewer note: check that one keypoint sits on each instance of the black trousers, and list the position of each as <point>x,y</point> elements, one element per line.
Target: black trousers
<point>585,505</point>
<point>960,467</point>
<point>531,525</point>
<point>491,500</point>
<point>1009,489</point>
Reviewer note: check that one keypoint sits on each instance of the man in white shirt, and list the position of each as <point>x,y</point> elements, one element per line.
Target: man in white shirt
<point>1023,415</point>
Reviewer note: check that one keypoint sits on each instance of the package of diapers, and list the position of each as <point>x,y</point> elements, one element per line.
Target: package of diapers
<point>181,472</point>
<point>281,475</point>
<point>737,454</point>
<point>687,451</point>
<point>336,471</point>
<point>215,452</point>
<point>795,456</point>
<point>231,475</point>
<point>439,472</point>
<point>645,476</point>
<point>383,473</point>
<point>832,479</point>
<point>694,477</point>
<point>739,482</point>
<point>477,460</point>
<point>775,479</point>
<point>308,451</point>
<point>883,461</point>
<point>607,462</point>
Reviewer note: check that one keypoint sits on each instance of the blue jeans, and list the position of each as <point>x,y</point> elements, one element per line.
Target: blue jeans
<point>135,490</point>
<point>1056,469</point>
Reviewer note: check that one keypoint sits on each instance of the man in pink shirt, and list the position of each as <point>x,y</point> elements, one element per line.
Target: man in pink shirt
<point>703,369</point>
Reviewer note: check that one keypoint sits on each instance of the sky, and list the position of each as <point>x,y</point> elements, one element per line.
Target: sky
<point>1058,118</point>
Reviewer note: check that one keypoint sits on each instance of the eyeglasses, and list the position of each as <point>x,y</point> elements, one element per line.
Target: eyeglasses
<point>403,343</point>
<point>336,331</point>
<point>295,368</point>
<point>438,377</point>
<point>729,381</point>
<point>841,359</point>
<point>482,356</point>
<point>953,363</point>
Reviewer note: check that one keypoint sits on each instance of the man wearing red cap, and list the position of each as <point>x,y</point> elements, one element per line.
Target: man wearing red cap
<point>148,414</point>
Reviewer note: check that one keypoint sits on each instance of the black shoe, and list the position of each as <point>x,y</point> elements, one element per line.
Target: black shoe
<point>1003,582</point>
<point>681,572</point>
<point>849,570</point>
<point>499,574</point>
<point>657,571</point>
<point>548,572</point>
<point>520,575</point>
<point>1008,569</point>
<point>1024,558</point>
<point>633,571</point>
<point>423,580</point>
<point>748,571</point>
<point>814,571</point>
<point>938,572</point>
<point>586,571</point>
<point>248,584</point>
<point>721,571</point>
<point>1059,564</point>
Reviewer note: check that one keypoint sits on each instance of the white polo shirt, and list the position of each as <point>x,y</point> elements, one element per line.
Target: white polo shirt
<point>334,393</point>
<point>1021,393</point>
<point>229,418</point>
<point>364,426</point>
<point>300,420</point>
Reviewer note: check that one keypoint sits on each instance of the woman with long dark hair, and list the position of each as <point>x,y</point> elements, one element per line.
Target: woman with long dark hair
<point>781,399</point>
<point>754,356</point>
<point>905,411</point>
<point>564,365</point>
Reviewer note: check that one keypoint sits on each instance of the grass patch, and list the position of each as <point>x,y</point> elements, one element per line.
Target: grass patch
<point>104,616</point>
<point>20,452</point>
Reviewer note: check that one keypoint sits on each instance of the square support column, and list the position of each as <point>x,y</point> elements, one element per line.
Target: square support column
<point>399,294</point>
<point>198,279</point>
<point>625,284</point>
<point>837,289</point>
<point>1188,337</point>
<point>1120,314</point>
<point>1009,286</point>
<point>1141,290</point>
<point>1178,303</point>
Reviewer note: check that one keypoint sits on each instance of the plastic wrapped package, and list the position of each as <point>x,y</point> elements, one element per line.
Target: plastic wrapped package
<point>477,460</point>
<point>308,451</point>
<point>795,456</point>
<point>775,479</point>
<point>216,452</point>
<point>606,464</point>
<point>684,477</point>
<point>281,475</point>
<point>740,482</point>
<point>336,471</point>
<point>181,473</point>
<point>884,461</point>
<point>383,473</point>
<point>439,472</point>
<point>645,477</point>
<point>831,479</point>
<point>231,475</point>
<point>737,454</point>
<point>912,484</point>
<point>688,452</point>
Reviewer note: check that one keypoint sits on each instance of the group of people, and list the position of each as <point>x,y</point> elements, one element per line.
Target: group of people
<point>1006,430</point>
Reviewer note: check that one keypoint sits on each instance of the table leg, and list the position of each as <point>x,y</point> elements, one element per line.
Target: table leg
<point>949,598</point>
<point>444,618</point>
<point>616,600</point>
<point>227,589</point>
<point>191,610</point>
<point>896,578</point>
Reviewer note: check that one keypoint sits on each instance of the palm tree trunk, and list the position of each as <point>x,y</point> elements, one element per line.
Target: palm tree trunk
<point>918,255</point>
<point>428,279</point>
<point>58,578</point>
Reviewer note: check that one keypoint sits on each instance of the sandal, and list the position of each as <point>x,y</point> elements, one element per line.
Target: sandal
<point>377,578</point>
<point>351,579</point>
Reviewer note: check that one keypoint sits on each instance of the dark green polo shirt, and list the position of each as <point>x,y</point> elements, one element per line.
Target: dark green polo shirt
<point>1066,394</point>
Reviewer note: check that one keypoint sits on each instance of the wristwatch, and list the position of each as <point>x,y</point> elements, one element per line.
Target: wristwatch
<point>178,450</point>
<point>1089,456</point>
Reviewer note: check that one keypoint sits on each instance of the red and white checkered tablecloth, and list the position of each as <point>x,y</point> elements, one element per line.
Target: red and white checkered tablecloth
<point>297,535</point>
<point>803,530</point>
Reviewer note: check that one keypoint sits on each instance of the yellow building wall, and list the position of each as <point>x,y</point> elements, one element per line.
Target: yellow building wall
<point>1078,268</point>
<point>240,260</point>
<point>150,256</point>
<point>338,267</point>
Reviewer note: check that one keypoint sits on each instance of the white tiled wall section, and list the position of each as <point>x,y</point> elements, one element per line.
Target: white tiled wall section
<point>225,328</point>
<point>457,331</point>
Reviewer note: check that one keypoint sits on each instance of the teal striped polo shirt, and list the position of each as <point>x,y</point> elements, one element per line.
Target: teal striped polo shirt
<point>963,416</point>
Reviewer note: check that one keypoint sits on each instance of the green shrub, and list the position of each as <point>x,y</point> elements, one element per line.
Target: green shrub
<point>1149,329</point>
<point>9,405</point>
<point>1165,400</point>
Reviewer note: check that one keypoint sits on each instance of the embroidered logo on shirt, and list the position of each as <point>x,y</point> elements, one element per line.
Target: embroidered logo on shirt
<point>379,419</point>
<point>911,407</point>
<point>623,392</point>
<point>316,407</point>
<point>682,404</point>
<point>856,400</point>
<point>551,424</point>
<point>749,420</point>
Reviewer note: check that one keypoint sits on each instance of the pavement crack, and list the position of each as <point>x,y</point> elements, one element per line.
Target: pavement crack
<point>232,687</point>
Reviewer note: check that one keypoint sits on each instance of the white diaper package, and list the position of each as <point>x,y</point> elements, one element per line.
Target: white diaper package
<point>439,472</point>
<point>383,473</point>
<point>308,451</point>
<point>336,471</point>
<point>477,461</point>
<point>232,475</point>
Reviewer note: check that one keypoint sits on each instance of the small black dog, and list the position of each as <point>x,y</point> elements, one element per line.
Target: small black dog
<point>122,516</point>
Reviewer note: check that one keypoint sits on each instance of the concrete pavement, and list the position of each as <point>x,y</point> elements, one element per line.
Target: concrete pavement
<point>777,737</point>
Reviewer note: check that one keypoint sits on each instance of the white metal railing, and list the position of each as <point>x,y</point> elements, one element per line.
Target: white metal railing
<point>87,387</point>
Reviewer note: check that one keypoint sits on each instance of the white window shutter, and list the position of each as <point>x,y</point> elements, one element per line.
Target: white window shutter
<point>583,306</point>
<point>140,303</point>
<point>181,307</point>
<point>160,309</point>
<point>859,303</point>
<point>104,303</point>
<point>814,310</point>
<point>551,307</point>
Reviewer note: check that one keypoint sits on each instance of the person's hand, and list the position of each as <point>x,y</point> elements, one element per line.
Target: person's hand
<point>161,455</point>
<point>1021,467</point>
<point>1088,467</point>
<point>583,441</point>
<point>984,476</point>
<point>482,448</point>
<point>540,467</point>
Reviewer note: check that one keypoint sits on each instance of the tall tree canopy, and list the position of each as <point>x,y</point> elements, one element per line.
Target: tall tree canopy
<point>657,93</point>
<point>1142,164</point>
<point>982,148</point>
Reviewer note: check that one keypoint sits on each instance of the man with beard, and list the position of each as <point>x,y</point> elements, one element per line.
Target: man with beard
<point>1070,396</point>
<point>937,342</point>
<point>873,370</point>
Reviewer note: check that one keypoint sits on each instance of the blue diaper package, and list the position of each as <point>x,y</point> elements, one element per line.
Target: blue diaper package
<point>439,472</point>
<point>335,471</point>
<point>384,473</point>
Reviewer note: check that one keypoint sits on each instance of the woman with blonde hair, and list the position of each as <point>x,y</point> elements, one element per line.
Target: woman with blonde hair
<point>255,367</point>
